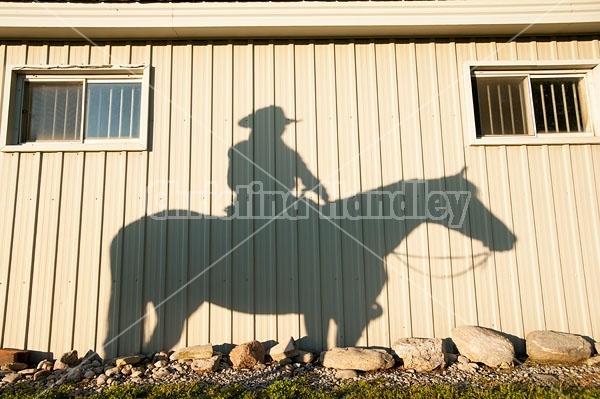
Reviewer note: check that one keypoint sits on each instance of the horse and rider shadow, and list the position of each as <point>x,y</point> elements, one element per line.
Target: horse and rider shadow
<point>273,228</point>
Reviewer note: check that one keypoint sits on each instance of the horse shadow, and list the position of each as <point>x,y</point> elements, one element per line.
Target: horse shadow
<point>272,235</point>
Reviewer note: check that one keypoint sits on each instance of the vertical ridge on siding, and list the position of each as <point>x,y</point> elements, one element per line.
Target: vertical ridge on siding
<point>111,255</point>
<point>286,170</point>
<point>375,272</point>
<point>9,167</point>
<point>587,194</point>
<point>15,330</point>
<point>412,164</point>
<point>89,255</point>
<point>242,174</point>
<point>155,270</point>
<point>40,313</point>
<point>265,250</point>
<point>461,254</point>
<point>198,322</point>
<point>436,249</point>
<point>179,187</point>
<point>352,260</point>
<point>309,266</point>
<point>221,234</point>
<point>68,251</point>
<point>23,240</point>
<point>396,283</point>
<point>332,308</point>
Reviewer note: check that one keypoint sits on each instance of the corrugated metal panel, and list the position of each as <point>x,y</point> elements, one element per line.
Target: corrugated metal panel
<point>82,260</point>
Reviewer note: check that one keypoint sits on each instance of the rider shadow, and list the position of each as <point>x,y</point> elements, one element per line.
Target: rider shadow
<point>278,252</point>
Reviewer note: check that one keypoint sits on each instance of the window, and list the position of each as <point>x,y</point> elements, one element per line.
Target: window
<point>75,108</point>
<point>513,104</point>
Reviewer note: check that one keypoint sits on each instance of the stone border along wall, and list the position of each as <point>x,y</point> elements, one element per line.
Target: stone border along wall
<point>475,345</point>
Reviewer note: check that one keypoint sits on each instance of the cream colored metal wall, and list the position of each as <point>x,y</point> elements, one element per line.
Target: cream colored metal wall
<point>370,114</point>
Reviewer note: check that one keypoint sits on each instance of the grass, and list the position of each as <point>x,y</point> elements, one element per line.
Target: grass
<point>300,389</point>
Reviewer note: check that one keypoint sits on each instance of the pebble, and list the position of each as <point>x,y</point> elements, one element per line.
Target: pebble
<point>111,371</point>
<point>41,374</point>
<point>345,374</point>
<point>101,380</point>
<point>12,378</point>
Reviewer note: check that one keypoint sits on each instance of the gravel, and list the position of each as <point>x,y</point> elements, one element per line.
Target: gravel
<point>95,377</point>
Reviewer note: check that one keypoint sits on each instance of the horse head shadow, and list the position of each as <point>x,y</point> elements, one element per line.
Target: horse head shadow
<point>343,227</point>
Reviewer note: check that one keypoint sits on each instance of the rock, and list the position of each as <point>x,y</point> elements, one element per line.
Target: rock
<point>101,380</point>
<point>89,374</point>
<point>557,347</point>
<point>303,357</point>
<point>468,367</point>
<point>463,359</point>
<point>12,378</point>
<point>206,365</point>
<point>27,372</point>
<point>345,374</point>
<point>92,356</point>
<point>247,355</point>
<point>40,375</point>
<point>16,366</point>
<point>161,373</point>
<point>193,352</point>
<point>160,356</point>
<point>70,358</point>
<point>285,361</point>
<point>160,363</point>
<point>126,370</point>
<point>483,345</point>
<point>111,371</point>
<point>421,354</point>
<point>283,349</point>
<point>74,375</point>
<point>362,359</point>
<point>593,361</point>
<point>137,374</point>
<point>45,365</point>
<point>260,366</point>
<point>122,361</point>
<point>58,365</point>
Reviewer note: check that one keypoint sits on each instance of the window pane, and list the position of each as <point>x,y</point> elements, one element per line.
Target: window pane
<point>113,110</point>
<point>54,111</point>
<point>500,106</point>
<point>557,105</point>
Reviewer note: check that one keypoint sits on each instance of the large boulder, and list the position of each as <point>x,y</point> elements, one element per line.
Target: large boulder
<point>362,359</point>
<point>193,352</point>
<point>557,347</point>
<point>483,345</point>
<point>421,354</point>
<point>247,355</point>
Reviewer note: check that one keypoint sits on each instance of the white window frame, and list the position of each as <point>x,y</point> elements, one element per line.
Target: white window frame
<point>588,69</point>
<point>10,133</point>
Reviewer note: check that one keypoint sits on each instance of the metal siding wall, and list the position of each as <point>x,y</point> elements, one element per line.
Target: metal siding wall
<point>80,264</point>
